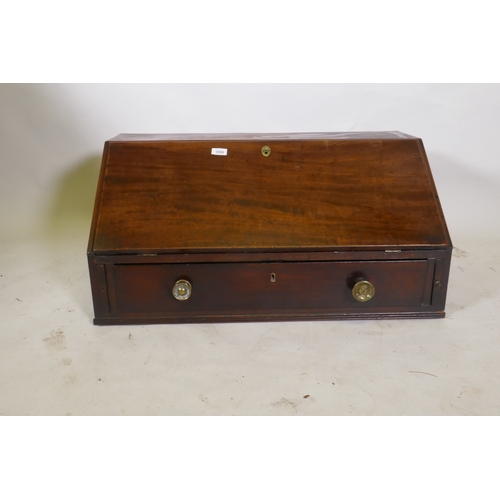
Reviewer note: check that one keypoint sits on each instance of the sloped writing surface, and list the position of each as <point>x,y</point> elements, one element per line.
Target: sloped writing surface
<point>322,193</point>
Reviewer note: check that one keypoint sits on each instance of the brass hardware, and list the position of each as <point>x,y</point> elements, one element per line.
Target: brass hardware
<point>273,277</point>
<point>437,283</point>
<point>182,290</point>
<point>266,151</point>
<point>363,290</point>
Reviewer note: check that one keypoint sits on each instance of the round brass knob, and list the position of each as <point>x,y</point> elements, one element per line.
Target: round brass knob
<point>182,290</point>
<point>363,290</point>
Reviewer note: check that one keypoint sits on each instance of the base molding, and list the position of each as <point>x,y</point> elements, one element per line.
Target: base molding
<point>266,317</point>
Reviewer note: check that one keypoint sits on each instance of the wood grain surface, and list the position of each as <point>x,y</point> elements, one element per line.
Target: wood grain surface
<point>339,191</point>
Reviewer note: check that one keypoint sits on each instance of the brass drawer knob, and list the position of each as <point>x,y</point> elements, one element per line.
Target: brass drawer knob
<point>363,290</point>
<point>182,290</point>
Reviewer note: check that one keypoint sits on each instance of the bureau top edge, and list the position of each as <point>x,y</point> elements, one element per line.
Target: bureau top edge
<point>341,136</point>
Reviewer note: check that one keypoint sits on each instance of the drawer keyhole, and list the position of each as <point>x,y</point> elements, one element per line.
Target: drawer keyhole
<point>273,277</point>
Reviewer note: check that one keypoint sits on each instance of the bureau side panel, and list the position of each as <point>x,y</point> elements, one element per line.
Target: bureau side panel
<point>99,287</point>
<point>441,276</point>
<point>97,202</point>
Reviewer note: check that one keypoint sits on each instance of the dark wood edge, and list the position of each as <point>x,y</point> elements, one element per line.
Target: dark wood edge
<point>377,255</point>
<point>245,250</point>
<point>429,281</point>
<point>439,208</point>
<point>268,317</point>
<point>99,287</point>
<point>442,274</point>
<point>97,201</point>
<point>276,250</point>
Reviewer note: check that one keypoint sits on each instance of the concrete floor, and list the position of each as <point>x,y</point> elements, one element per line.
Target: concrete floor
<point>56,362</point>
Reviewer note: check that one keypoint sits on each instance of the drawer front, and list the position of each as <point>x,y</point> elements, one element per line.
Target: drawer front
<point>268,288</point>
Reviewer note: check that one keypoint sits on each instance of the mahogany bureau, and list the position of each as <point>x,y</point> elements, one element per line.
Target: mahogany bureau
<point>248,227</point>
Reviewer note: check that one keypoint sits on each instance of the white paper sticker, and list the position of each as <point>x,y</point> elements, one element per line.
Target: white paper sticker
<point>219,151</point>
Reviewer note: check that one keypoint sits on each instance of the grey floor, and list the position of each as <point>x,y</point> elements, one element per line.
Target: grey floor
<point>55,362</point>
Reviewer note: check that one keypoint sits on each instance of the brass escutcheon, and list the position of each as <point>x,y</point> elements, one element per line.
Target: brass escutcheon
<point>265,150</point>
<point>182,290</point>
<point>363,290</point>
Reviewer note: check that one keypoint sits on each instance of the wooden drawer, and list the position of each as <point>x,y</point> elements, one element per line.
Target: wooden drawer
<point>231,291</point>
